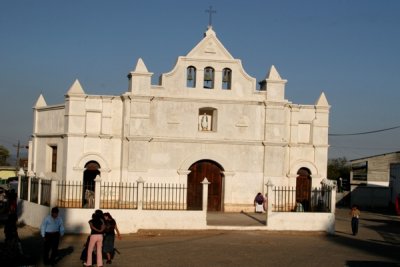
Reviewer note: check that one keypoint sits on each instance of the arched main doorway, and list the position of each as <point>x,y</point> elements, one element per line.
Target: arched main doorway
<point>303,187</point>
<point>89,175</point>
<point>213,172</point>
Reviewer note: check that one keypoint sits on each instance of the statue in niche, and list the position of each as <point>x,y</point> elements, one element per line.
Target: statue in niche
<point>204,122</point>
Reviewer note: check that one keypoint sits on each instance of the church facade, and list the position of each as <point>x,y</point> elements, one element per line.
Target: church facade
<point>206,118</point>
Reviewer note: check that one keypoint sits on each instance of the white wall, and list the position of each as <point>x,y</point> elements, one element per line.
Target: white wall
<point>130,221</point>
<point>301,221</point>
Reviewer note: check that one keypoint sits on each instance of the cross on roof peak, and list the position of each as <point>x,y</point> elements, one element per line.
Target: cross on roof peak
<point>210,11</point>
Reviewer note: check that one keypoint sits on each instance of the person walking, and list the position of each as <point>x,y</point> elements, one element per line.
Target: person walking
<point>355,216</point>
<point>12,201</point>
<point>109,236</point>
<point>97,228</point>
<point>13,248</point>
<point>51,229</point>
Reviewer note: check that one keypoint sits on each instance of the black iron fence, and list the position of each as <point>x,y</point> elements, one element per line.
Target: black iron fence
<point>118,195</point>
<point>286,199</point>
<point>113,195</point>
<point>34,190</point>
<point>164,197</point>
<point>157,196</point>
<point>24,188</point>
<point>71,195</point>
<point>45,193</point>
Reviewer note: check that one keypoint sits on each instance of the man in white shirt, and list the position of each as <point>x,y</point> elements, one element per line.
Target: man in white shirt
<point>51,230</point>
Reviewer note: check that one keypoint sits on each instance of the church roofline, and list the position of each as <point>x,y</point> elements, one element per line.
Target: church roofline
<point>322,101</point>
<point>204,45</point>
<point>40,102</point>
<point>76,89</point>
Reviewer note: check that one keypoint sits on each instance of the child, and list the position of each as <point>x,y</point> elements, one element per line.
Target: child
<point>355,215</point>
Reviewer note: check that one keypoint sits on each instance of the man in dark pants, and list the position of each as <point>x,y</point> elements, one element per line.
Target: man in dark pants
<point>355,215</point>
<point>52,229</point>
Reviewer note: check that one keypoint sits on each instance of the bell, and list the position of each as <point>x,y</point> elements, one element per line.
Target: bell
<point>189,75</point>
<point>207,76</point>
<point>226,77</point>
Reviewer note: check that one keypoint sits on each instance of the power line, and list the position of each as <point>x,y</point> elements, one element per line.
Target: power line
<point>369,132</point>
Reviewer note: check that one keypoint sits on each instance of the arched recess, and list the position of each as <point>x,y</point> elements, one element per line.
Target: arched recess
<point>214,173</point>
<point>302,163</point>
<point>92,169</point>
<point>90,165</point>
<point>225,166</point>
<point>191,77</point>
<point>303,187</point>
<point>226,78</point>
<point>192,158</point>
<point>209,78</point>
<point>80,165</point>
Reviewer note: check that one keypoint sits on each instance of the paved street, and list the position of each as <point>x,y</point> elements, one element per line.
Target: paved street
<point>377,244</point>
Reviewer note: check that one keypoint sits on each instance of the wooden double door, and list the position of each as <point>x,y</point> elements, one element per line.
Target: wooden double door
<point>303,190</point>
<point>213,172</point>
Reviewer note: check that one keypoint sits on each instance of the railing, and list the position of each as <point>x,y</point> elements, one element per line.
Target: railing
<point>45,192</point>
<point>286,200</point>
<point>34,190</point>
<point>118,196</point>
<point>24,188</point>
<point>164,197</point>
<point>75,194</point>
<point>113,195</point>
<point>160,196</point>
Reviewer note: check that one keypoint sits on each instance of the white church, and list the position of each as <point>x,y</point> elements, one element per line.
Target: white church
<point>206,118</point>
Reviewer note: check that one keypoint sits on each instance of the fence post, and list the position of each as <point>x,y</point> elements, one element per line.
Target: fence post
<point>53,193</point>
<point>269,200</point>
<point>331,185</point>
<point>97,192</point>
<point>31,174</point>
<point>40,177</point>
<point>39,191</point>
<point>333,200</point>
<point>205,183</point>
<point>20,174</point>
<point>140,183</point>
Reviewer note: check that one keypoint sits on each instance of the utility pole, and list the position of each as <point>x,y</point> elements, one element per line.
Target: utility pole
<point>18,146</point>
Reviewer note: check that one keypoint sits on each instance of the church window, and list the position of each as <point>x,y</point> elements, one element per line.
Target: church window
<point>226,79</point>
<point>208,78</point>
<point>207,119</point>
<point>53,158</point>
<point>360,170</point>
<point>191,77</point>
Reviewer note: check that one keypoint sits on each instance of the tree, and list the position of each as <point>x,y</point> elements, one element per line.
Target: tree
<point>4,154</point>
<point>339,168</point>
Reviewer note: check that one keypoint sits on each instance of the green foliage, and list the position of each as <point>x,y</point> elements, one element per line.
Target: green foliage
<point>338,167</point>
<point>4,154</point>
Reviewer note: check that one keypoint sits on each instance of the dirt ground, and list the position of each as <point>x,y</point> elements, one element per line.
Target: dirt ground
<point>377,244</point>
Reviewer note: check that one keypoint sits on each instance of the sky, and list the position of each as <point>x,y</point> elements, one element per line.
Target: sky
<point>348,49</point>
